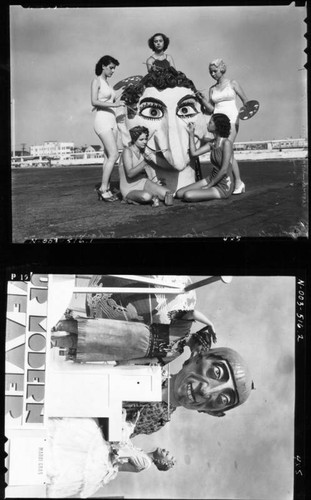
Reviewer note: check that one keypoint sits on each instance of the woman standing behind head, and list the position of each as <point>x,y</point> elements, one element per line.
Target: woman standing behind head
<point>103,100</point>
<point>159,60</point>
<point>222,99</point>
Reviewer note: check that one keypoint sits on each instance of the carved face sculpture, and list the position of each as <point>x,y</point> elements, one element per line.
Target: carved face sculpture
<point>165,104</point>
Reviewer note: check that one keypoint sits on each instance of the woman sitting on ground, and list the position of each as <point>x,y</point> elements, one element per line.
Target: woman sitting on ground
<point>219,185</point>
<point>135,185</point>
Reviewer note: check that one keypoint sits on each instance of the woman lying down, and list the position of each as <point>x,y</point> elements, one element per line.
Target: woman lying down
<point>80,460</point>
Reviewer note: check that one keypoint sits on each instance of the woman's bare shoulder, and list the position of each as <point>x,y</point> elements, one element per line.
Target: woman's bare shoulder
<point>95,80</point>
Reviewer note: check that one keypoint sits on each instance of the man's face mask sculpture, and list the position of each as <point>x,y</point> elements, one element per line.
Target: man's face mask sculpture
<point>165,102</point>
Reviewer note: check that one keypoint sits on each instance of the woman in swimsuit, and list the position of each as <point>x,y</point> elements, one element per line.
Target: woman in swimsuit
<point>103,100</point>
<point>159,60</point>
<point>222,99</point>
<point>219,185</point>
<point>134,183</point>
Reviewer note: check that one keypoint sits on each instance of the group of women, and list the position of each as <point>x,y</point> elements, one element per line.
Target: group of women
<point>135,185</point>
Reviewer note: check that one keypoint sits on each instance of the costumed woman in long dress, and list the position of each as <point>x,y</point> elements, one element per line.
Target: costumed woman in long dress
<point>135,186</point>
<point>219,185</point>
<point>222,99</point>
<point>130,342</point>
<point>80,460</point>
<point>103,100</point>
<point>159,60</point>
<point>134,328</point>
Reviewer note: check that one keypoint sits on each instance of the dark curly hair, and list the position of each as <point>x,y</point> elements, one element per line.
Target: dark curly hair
<point>167,78</point>
<point>135,132</point>
<point>104,61</point>
<point>166,41</point>
<point>222,124</point>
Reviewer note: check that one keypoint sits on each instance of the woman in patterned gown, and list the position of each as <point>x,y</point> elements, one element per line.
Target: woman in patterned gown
<point>132,328</point>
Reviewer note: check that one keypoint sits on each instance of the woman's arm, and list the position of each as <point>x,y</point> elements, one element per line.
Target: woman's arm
<point>226,157</point>
<point>239,91</point>
<point>127,467</point>
<point>150,62</point>
<point>198,316</point>
<point>128,164</point>
<point>94,98</point>
<point>207,103</point>
<point>192,147</point>
<point>136,463</point>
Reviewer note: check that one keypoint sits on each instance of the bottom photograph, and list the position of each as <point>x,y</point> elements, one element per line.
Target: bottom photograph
<point>150,386</point>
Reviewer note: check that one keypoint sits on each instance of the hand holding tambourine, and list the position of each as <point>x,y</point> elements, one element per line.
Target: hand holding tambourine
<point>249,110</point>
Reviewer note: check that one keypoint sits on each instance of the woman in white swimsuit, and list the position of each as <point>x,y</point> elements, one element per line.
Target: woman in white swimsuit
<point>222,99</point>
<point>103,100</point>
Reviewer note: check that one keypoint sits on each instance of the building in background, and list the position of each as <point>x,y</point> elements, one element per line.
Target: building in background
<point>52,148</point>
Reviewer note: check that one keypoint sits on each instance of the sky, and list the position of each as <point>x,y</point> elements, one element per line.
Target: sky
<point>54,52</point>
<point>248,454</point>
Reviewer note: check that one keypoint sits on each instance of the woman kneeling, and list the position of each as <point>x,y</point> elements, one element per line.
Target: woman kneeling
<point>220,183</point>
<point>134,183</point>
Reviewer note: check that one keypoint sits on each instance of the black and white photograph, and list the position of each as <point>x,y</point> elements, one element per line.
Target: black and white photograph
<point>153,386</point>
<point>154,250</point>
<point>158,122</point>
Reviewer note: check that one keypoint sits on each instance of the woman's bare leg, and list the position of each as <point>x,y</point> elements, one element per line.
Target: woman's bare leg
<point>111,150</point>
<point>156,190</point>
<point>235,166</point>
<point>201,195</point>
<point>139,196</point>
<point>195,185</point>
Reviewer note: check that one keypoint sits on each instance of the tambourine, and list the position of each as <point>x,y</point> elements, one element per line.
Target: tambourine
<point>249,110</point>
<point>127,81</point>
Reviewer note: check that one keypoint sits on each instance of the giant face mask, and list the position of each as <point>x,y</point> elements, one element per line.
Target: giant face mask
<point>166,113</point>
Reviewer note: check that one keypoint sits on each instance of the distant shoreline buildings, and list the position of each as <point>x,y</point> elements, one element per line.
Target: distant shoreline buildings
<point>54,153</point>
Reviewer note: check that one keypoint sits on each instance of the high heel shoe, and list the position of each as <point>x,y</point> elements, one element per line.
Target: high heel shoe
<point>240,189</point>
<point>101,197</point>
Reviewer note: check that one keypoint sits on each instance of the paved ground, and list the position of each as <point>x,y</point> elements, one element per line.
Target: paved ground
<point>61,203</point>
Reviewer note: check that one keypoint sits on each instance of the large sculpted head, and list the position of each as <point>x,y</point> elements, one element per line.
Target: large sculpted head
<point>165,102</point>
<point>213,382</point>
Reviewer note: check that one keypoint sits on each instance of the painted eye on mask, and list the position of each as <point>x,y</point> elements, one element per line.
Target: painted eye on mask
<point>223,400</point>
<point>187,110</point>
<point>218,372</point>
<point>151,112</point>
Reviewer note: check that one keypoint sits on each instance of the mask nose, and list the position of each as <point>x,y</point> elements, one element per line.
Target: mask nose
<point>201,389</point>
<point>204,390</point>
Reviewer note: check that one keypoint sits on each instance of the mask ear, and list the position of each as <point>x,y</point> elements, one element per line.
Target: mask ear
<point>214,413</point>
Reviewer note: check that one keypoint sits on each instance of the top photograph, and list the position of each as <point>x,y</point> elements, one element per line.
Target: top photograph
<point>158,122</point>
